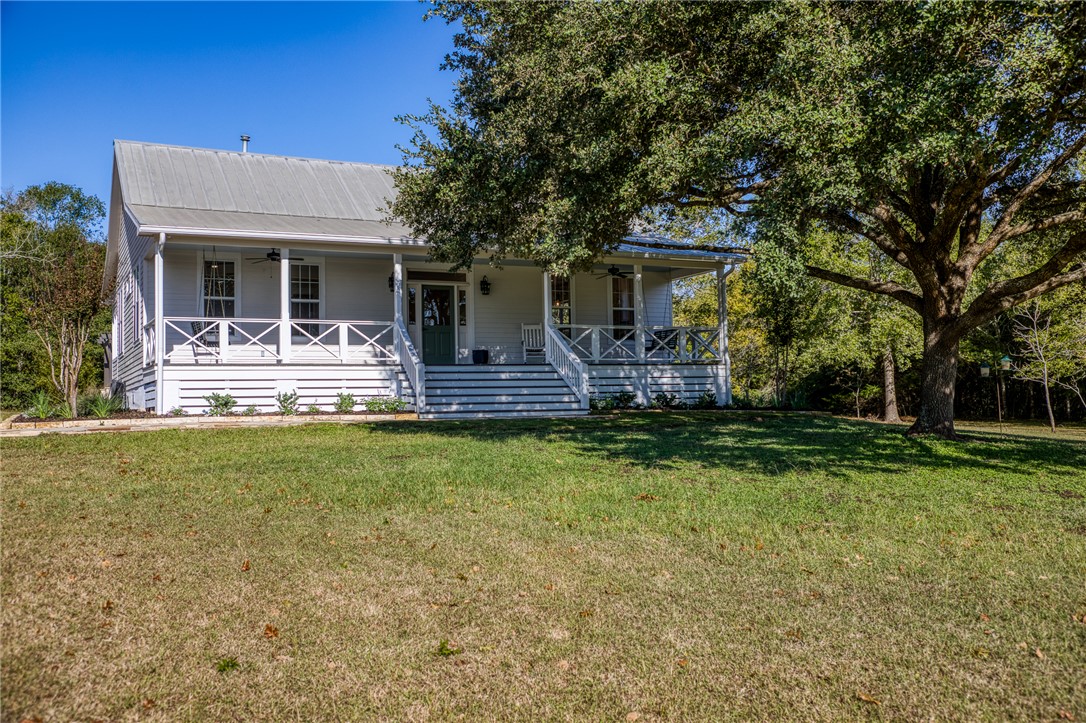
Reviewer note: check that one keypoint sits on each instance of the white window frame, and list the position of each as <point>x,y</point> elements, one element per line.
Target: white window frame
<point>322,290</point>
<point>572,300</point>
<point>200,299</point>
<point>611,301</point>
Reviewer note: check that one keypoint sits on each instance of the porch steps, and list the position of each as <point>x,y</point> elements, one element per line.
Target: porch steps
<point>493,390</point>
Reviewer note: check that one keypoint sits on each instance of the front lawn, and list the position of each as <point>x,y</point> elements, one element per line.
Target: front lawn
<point>684,566</point>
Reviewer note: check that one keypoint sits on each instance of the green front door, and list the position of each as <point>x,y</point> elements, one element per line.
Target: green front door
<point>438,328</point>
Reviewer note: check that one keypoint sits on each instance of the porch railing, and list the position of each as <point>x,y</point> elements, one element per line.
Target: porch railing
<point>657,344</point>
<point>149,341</point>
<point>412,363</point>
<point>564,361</point>
<point>197,340</point>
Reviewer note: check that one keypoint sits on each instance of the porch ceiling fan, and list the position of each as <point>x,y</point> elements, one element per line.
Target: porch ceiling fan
<point>273,256</point>
<point>614,271</point>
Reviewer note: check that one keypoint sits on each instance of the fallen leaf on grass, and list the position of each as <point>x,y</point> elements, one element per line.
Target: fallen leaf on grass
<point>148,704</point>
<point>1038,653</point>
<point>586,613</point>
<point>867,698</point>
<point>563,665</point>
<point>246,566</point>
<point>107,606</point>
<point>982,653</point>
<point>270,631</point>
<point>646,497</point>
<point>1066,715</point>
<point>984,617</point>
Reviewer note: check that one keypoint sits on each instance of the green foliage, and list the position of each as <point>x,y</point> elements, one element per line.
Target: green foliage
<point>345,403</point>
<point>180,411</point>
<point>227,665</point>
<point>102,405</point>
<point>706,400</point>
<point>41,406</point>
<point>444,649</point>
<point>313,409</point>
<point>53,302</point>
<point>220,405</point>
<point>929,134</point>
<point>250,411</point>
<point>287,402</point>
<point>384,405</point>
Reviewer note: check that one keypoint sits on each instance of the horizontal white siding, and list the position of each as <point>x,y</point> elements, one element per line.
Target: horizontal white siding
<point>127,371</point>
<point>686,381</point>
<point>186,387</point>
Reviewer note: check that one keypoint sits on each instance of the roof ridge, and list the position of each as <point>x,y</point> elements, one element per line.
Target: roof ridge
<point>249,153</point>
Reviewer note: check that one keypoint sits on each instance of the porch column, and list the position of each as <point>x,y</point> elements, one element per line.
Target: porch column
<point>546,299</point>
<point>284,305</point>
<point>639,312</point>
<point>160,326</point>
<point>724,395</point>
<point>397,277</point>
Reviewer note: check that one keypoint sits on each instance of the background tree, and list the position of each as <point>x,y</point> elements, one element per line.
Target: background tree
<point>937,133</point>
<point>53,296</point>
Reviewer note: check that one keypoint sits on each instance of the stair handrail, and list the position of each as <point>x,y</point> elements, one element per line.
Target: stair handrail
<point>412,364</point>
<point>569,366</point>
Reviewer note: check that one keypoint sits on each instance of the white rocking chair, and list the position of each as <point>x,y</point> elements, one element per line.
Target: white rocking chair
<point>531,338</point>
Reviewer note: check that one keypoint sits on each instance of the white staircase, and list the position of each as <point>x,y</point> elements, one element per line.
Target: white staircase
<point>491,390</point>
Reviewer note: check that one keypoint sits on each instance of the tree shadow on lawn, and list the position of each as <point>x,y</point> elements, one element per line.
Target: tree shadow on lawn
<point>774,443</point>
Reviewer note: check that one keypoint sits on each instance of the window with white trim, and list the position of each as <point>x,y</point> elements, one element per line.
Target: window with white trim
<point>561,301</point>
<point>622,301</point>
<point>219,289</point>
<point>305,295</point>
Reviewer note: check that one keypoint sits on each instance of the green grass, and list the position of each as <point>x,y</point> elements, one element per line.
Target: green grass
<point>684,566</point>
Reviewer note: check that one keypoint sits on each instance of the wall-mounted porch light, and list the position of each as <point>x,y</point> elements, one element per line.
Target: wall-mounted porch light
<point>392,283</point>
<point>1005,363</point>
<point>484,286</point>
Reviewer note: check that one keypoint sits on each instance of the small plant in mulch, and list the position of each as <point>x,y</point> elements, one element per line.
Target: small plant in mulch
<point>288,402</point>
<point>384,405</point>
<point>220,405</point>
<point>345,403</point>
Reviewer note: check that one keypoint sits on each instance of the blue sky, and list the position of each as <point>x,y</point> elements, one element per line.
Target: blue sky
<point>323,80</point>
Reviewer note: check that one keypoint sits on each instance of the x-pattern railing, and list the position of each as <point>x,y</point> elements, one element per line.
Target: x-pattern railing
<point>661,343</point>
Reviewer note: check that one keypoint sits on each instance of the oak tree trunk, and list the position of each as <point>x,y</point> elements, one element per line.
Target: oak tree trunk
<point>889,388</point>
<point>937,378</point>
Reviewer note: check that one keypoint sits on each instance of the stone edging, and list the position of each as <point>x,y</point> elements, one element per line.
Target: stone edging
<point>200,421</point>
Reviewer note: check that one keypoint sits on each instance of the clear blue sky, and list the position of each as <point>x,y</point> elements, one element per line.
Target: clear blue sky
<point>322,80</point>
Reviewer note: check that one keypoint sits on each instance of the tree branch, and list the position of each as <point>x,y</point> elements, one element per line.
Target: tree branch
<point>855,226</point>
<point>1004,223</point>
<point>888,288</point>
<point>1007,294</point>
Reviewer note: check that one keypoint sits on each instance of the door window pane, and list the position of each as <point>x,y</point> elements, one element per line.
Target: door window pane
<point>561,301</point>
<point>305,295</point>
<point>622,302</point>
<point>218,287</point>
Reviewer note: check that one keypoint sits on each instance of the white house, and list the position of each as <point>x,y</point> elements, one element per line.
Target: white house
<point>254,274</point>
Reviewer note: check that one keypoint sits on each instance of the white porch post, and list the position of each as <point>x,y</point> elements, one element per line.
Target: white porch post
<point>160,326</point>
<point>546,299</point>
<point>284,306</point>
<point>725,394</point>
<point>639,312</point>
<point>397,276</point>
<point>397,316</point>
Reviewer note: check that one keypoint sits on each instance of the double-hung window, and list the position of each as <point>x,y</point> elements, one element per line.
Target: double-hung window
<point>622,301</point>
<point>305,295</point>
<point>561,301</point>
<point>219,287</point>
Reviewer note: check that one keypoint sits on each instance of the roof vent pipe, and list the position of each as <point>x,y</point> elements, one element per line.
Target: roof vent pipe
<point>244,143</point>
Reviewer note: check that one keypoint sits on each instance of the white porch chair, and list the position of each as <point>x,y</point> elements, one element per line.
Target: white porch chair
<point>531,338</point>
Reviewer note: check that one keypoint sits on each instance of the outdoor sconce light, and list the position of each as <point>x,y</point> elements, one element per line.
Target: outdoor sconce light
<point>484,286</point>
<point>392,283</point>
<point>985,369</point>
<point>1005,363</point>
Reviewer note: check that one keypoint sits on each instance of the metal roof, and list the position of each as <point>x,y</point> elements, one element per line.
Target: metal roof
<point>203,192</point>
<point>197,188</point>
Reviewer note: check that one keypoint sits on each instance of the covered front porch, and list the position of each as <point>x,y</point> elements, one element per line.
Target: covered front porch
<point>599,332</point>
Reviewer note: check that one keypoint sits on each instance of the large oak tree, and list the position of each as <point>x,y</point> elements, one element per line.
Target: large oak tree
<point>938,133</point>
